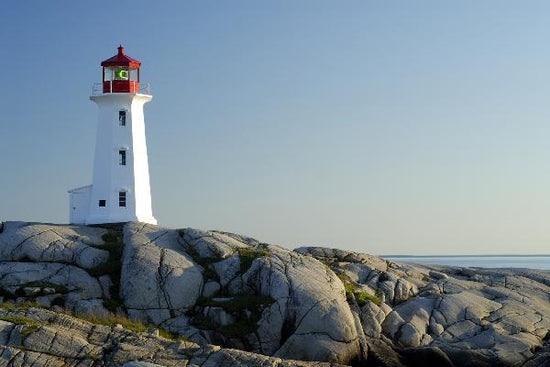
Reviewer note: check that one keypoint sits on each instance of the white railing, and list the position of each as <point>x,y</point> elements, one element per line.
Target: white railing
<point>145,88</point>
<point>97,89</point>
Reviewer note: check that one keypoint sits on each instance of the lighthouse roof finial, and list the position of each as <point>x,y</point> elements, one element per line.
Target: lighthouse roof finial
<point>121,59</point>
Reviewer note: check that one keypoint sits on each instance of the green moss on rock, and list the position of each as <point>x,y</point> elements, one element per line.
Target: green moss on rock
<point>353,294</point>
<point>247,255</point>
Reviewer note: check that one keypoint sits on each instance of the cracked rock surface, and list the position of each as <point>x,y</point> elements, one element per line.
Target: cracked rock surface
<point>40,337</point>
<point>455,316</point>
<point>159,279</point>
<point>22,241</point>
<point>260,303</point>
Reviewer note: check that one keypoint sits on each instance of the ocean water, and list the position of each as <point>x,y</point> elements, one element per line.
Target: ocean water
<point>483,261</point>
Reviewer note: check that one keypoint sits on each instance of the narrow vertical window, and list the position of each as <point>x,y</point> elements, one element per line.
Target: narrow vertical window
<point>122,198</point>
<point>122,157</point>
<point>122,118</point>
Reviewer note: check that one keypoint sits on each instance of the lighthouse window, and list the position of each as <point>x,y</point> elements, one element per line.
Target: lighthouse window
<point>122,157</point>
<point>108,74</point>
<point>102,202</point>
<point>122,198</point>
<point>122,118</point>
<point>133,74</point>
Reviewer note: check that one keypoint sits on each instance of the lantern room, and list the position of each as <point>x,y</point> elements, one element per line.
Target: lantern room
<point>121,73</point>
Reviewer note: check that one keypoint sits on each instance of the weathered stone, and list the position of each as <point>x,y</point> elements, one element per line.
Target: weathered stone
<point>52,243</point>
<point>91,307</point>
<point>438,275</point>
<point>5,330</point>
<point>227,269</point>
<point>445,316</point>
<point>212,244</point>
<point>106,283</point>
<point>57,340</point>
<point>310,301</point>
<point>78,282</point>
<point>31,291</point>
<point>159,280</point>
<point>210,288</point>
<point>371,318</point>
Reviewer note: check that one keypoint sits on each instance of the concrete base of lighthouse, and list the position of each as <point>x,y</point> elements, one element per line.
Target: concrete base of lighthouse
<point>149,220</point>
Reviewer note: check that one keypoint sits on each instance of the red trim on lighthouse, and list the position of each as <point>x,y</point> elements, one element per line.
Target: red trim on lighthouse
<point>121,85</point>
<point>120,59</point>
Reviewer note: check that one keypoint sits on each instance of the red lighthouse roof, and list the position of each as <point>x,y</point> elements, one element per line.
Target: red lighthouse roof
<point>120,59</point>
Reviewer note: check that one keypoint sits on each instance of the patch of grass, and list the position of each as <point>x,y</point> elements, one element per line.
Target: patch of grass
<point>112,320</point>
<point>363,297</point>
<point>29,329</point>
<point>113,266</point>
<point>349,288</point>
<point>7,306</point>
<point>30,325</point>
<point>248,255</point>
<point>20,306</point>
<point>355,294</point>
<point>168,335</point>
<point>18,320</point>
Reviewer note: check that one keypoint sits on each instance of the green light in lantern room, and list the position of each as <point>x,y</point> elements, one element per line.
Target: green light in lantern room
<point>122,74</point>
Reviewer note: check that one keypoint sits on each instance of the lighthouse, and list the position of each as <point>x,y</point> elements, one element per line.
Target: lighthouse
<point>120,189</point>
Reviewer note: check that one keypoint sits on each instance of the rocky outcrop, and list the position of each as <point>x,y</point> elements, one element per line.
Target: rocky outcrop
<point>159,280</point>
<point>75,245</point>
<point>39,337</point>
<point>462,317</point>
<point>260,297</point>
<point>52,264</point>
<point>269,304</point>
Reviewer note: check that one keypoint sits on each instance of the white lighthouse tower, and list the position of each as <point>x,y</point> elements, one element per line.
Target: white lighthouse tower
<point>120,191</point>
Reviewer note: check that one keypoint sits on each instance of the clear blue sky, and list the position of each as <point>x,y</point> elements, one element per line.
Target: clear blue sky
<point>384,127</point>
